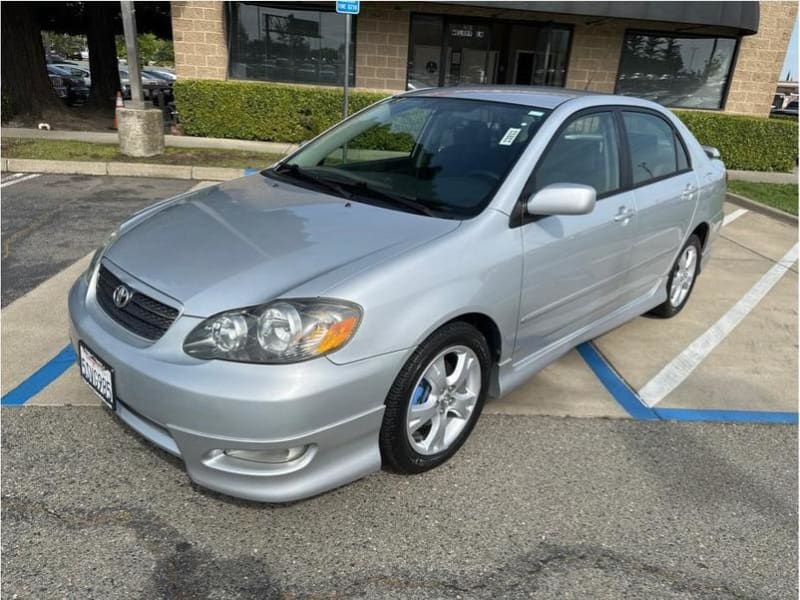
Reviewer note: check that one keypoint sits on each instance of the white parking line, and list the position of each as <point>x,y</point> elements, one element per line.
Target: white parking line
<point>731,217</point>
<point>18,179</point>
<point>671,376</point>
<point>12,176</point>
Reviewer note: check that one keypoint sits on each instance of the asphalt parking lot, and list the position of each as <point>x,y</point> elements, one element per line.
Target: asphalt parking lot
<point>658,461</point>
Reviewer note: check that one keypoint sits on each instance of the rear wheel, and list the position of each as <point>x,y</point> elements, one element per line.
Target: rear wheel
<point>681,280</point>
<point>436,399</point>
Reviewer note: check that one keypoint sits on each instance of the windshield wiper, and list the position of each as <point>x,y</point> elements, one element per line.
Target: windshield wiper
<point>299,173</point>
<point>408,202</point>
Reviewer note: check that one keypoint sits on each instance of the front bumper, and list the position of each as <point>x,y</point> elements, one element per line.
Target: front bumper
<point>195,408</point>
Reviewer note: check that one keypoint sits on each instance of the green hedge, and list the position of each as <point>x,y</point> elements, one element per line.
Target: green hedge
<point>261,111</point>
<point>287,113</point>
<point>748,143</point>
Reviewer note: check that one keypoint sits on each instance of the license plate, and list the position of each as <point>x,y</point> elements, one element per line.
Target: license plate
<point>98,375</point>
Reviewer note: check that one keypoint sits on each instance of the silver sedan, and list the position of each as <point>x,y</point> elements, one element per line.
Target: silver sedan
<point>355,305</point>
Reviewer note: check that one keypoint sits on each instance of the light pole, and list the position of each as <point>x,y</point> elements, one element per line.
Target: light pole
<point>141,127</point>
<point>129,27</point>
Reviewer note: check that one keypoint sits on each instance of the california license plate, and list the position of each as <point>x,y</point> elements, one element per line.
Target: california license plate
<point>97,374</point>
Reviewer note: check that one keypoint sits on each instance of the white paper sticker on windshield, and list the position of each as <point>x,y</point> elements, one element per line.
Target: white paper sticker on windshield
<point>535,113</point>
<point>510,136</point>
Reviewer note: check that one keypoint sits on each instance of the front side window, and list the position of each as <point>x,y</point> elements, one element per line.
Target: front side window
<point>674,70</point>
<point>275,43</point>
<point>443,157</point>
<point>585,152</point>
<point>653,147</point>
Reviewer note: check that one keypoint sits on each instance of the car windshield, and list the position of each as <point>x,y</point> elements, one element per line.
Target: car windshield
<point>442,157</point>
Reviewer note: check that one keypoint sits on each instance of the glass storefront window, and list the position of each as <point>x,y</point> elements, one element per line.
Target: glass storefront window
<point>453,50</point>
<point>677,71</point>
<point>282,43</point>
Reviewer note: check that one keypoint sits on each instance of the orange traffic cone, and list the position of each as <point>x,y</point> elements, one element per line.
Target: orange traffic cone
<point>120,104</point>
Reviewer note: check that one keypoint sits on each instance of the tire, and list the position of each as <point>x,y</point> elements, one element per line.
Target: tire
<point>669,308</point>
<point>401,450</point>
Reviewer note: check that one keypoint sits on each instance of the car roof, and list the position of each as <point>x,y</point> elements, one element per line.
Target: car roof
<point>526,95</point>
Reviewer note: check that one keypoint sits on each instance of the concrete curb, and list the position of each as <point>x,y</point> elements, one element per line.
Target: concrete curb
<point>120,169</point>
<point>757,207</point>
<point>762,176</point>
<point>178,141</point>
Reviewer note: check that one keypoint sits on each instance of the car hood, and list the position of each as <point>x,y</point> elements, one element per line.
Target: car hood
<point>254,239</point>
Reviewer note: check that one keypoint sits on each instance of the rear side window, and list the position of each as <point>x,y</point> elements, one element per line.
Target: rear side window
<point>585,152</point>
<point>655,152</point>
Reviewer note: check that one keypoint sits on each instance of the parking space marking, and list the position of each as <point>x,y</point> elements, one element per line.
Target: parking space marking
<point>672,375</point>
<point>731,217</point>
<point>43,377</point>
<point>12,181</point>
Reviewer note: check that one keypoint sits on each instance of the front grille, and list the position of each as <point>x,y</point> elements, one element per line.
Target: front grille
<point>143,315</point>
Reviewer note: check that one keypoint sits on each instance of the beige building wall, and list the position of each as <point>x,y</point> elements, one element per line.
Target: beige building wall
<point>761,59</point>
<point>198,32</point>
<point>382,39</point>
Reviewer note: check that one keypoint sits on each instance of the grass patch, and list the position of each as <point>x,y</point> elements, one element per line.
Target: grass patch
<point>87,151</point>
<point>777,195</point>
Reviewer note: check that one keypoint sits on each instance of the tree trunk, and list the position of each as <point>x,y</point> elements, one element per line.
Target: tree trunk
<point>102,52</point>
<point>25,81</point>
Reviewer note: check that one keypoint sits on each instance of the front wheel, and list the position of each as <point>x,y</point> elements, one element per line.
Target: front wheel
<point>681,279</point>
<point>436,399</point>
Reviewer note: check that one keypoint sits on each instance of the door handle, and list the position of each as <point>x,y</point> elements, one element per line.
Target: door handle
<point>688,192</point>
<point>624,215</point>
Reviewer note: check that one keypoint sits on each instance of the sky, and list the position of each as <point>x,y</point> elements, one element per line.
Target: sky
<point>790,63</point>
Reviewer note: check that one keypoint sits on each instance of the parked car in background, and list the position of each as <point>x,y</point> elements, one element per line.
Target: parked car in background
<point>790,110</point>
<point>77,71</point>
<point>59,86</point>
<point>159,73</point>
<point>354,305</point>
<point>77,90</point>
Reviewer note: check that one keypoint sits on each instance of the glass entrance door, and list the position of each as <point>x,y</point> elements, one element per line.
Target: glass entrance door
<point>451,50</point>
<point>468,59</point>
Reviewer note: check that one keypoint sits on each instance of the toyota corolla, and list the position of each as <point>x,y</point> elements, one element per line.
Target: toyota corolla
<point>354,305</point>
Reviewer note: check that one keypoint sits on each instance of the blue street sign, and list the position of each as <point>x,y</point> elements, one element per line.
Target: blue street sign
<point>348,7</point>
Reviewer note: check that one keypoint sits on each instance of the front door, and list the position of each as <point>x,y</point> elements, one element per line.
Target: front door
<point>576,267</point>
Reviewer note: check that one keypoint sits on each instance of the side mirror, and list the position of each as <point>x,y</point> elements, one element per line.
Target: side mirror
<point>712,153</point>
<point>562,199</point>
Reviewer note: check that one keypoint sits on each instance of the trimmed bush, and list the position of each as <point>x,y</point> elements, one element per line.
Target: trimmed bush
<point>273,112</point>
<point>747,143</point>
<point>269,112</point>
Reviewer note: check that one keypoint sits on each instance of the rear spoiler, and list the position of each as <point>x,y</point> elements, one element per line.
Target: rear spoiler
<point>712,152</point>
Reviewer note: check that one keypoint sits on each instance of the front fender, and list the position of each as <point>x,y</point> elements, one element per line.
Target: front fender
<point>475,269</point>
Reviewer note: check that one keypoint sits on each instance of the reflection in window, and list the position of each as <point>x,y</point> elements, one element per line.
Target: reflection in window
<point>687,72</point>
<point>286,44</point>
<point>585,152</point>
<point>652,146</point>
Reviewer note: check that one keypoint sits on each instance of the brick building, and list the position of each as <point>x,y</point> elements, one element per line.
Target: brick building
<point>701,55</point>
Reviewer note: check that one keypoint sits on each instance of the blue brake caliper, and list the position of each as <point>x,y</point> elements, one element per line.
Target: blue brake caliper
<point>420,394</point>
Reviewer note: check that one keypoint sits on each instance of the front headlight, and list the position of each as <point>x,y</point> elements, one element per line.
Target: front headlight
<point>99,254</point>
<point>283,331</point>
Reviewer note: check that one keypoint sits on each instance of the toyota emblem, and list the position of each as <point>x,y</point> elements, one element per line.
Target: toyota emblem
<point>122,295</point>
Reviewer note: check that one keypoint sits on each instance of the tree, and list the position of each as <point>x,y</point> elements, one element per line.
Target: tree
<point>25,82</point>
<point>100,17</point>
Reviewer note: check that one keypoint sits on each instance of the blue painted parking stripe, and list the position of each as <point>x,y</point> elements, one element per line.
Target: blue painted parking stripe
<point>46,374</point>
<point>250,171</point>
<point>633,405</point>
<point>615,385</point>
<point>735,416</point>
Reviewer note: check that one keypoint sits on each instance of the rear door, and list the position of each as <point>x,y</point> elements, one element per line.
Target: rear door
<point>575,266</point>
<point>666,191</point>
